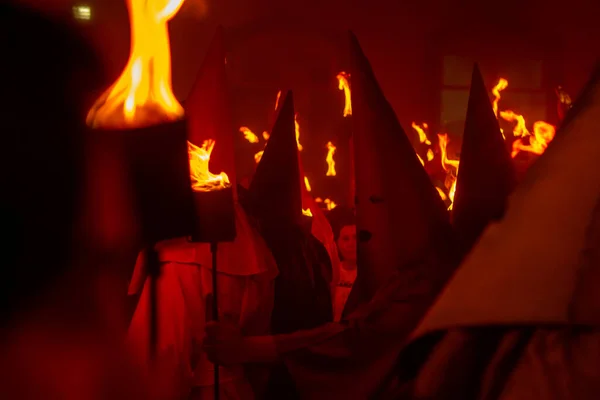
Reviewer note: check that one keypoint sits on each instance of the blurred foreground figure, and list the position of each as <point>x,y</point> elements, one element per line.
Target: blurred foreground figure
<point>246,283</point>
<point>61,327</point>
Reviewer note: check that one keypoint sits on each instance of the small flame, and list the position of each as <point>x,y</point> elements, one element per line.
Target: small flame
<point>318,200</point>
<point>330,204</point>
<point>450,166</point>
<point>249,135</point>
<point>430,155</point>
<point>500,86</point>
<point>342,78</point>
<point>266,135</point>
<point>307,212</point>
<point>307,184</point>
<point>421,160</point>
<point>422,134</point>
<point>142,95</point>
<point>277,100</point>
<point>258,156</point>
<point>330,161</point>
<point>520,129</point>
<point>563,97</point>
<point>202,179</point>
<point>297,125</point>
<point>543,133</point>
<point>441,193</point>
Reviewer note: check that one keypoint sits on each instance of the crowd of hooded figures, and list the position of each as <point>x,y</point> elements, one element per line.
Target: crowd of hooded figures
<point>393,299</point>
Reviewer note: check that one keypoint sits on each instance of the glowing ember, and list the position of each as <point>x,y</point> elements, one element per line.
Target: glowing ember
<point>422,134</point>
<point>330,204</point>
<point>430,155</point>
<point>249,135</point>
<point>277,100</point>
<point>330,161</point>
<point>297,131</point>
<point>142,95</point>
<point>543,133</point>
<point>342,78</point>
<point>450,166</point>
<point>307,184</point>
<point>500,86</point>
<point>202,179</point>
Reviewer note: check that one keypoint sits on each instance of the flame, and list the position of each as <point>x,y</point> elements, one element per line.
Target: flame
<point>307,212</point>
<point>330,161</point>
<point>450,166</point>
<point>202,179</point>
<point>342,78</point>
<point>543,133</point>
<point>142,95</point>
<point>500,86</point>
<point>520,129</point>
<point>318,200</point>
<point>563,97</point>
<point>330,204</point>
<point>258,156</point>
<point>430,155</point>
<point>277,100</point>
<point>421,160</point>
<point>266,135</point>
<point>441,193</point>
<point>307,184</point>
<point>297,125</point>
<point>422,134</point>
<point>249,135</point>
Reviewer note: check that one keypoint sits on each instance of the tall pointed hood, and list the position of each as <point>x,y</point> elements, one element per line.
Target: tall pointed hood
<point>274,192</point>
<point>400,216</point>
<point>530,267</point>
<point>208,109</point>
<point>486,175</point>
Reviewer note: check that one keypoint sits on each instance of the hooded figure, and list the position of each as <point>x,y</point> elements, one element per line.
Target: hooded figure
<point>520,317</point>
<point>246,273</point>
<point>399,214</point>
<point>352,359</point>
<point>486,176</point>
<point>302,288</point>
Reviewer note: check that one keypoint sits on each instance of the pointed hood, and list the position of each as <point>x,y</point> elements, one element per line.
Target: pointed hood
<point>400,216</point>
<point>486,175</point>
<point>208,109</point>
<point>274,192</point>
<point>527,268</point>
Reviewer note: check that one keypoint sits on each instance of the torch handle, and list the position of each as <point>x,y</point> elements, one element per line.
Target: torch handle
<point>215,309</point>
<point>153,269</point>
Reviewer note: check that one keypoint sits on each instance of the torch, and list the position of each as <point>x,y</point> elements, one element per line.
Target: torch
<point>210,139</point>
<point>142,112</point>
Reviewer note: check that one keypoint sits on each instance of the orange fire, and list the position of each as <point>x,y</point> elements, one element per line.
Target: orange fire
<point>297,125</point>
<point>202,179</point>
<point>500,86</point>
<point>543,133</point>
<point>422,134</point>
<point>307,184</point>
<point>342,78</point>
<point>329,159</point>
<point>307,212</point>
<point>450,166</point>
<point>142,95</point>
<point>330,204</point>
<point>249,135</point>
<point>277,100</point>
<point>430,155</point>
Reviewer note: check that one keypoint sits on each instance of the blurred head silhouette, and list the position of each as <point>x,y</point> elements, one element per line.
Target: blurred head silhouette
<point>48,79</point>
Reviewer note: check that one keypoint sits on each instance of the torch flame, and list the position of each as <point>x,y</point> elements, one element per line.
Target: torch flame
<point>202,179</point>
<point>500,86</point>
<point>342,78</point>
<point>422,134</point>
<point>249,135</point>
<point>307,184</point>
<point>450,166</point>
<point>297,127</point>
<point>330,204</point>
<point>330,161</point>
<point>142,95</point>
